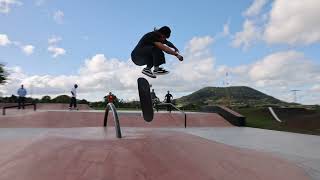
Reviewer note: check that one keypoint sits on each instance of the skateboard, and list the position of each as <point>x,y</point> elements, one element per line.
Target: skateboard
<point>145,99</point>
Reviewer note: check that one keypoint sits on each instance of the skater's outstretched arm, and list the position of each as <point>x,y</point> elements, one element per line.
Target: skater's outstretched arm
<point>168,50</point>
<point>168,43</point>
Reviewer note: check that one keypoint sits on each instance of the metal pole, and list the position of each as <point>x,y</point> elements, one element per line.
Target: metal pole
<point>106,116</point>
<point>115,118</point>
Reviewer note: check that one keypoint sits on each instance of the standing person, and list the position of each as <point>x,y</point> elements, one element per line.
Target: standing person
<point>168,98</point>
<point>73,100</point>
<point>110,98</point>
<point>155,100</point>
<point>22,92</point>
<point>149,51</point>
<point>153,95</point>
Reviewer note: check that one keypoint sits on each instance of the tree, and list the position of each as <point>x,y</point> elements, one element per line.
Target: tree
<point>46,99</point>
<point>83,101</point>
<point>61,99</point>
<point>12,99</point>
<point>3,74</point>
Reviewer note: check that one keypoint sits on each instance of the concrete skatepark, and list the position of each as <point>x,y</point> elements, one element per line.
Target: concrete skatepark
<point>54,143</point>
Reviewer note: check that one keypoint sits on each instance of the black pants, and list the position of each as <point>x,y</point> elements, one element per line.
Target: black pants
<point>168,106</point>
<point>148,55</point>
<point>73,101</point>
<point>21,100</point>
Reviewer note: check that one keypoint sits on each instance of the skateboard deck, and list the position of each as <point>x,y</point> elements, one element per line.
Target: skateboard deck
<point>145,99</point>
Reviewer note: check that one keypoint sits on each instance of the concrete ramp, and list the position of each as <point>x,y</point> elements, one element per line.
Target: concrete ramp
<point>69,119</point>
<point>141,154</point>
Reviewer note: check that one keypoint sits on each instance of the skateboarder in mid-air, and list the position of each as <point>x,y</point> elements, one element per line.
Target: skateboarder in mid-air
<point>149,51</point>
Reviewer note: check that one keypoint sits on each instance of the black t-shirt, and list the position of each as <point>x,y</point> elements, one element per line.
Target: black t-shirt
<point>148,40</point>
<point>168,97</point>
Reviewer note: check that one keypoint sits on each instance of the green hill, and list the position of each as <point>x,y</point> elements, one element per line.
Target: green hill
<point>231,96</point>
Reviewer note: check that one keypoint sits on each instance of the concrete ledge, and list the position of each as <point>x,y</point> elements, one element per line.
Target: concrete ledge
<point>228,114</point>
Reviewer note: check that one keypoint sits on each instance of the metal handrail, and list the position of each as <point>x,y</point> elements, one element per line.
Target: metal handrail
<point>115,118</point>
<point>185,115</point>
<point>14,106</point>
<point>274,114</point>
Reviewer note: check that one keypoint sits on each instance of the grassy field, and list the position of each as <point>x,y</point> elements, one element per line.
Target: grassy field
<point>261,118</point>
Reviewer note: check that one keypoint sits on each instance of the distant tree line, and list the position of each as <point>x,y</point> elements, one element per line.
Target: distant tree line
<point>45,99</point>
<point>119,103</point>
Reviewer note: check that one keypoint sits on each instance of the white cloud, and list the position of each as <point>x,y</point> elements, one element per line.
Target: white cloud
<point>199,43</point>
<point>53,46</point>
<point>4,40</point>
<point>251,31</point>
<point>278,70</point>
<point>294,22</point>
<point>285,67</point>
<point>255,8</point>
<point>56,51</point>
<point>54,40</point>
<point>290,22</point>
<point>198,61</point>
<point>247,36</point>
<point>58,16</point>
<point>28,49</point>
<point>6,5</point>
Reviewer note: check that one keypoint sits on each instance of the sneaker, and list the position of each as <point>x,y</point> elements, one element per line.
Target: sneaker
<point>148,72</point>
<point>160,71</point>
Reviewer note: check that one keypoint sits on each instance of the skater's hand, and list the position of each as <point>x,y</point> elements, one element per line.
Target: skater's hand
<point>179,57</point>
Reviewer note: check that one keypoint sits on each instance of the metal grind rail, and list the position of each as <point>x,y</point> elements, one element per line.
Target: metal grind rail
<point>16,106</point>
<point>115,118</point>
<point>274,114</point>
<point>170,104</point>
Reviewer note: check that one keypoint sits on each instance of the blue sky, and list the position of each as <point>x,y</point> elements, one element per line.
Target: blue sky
<point>258,42</point>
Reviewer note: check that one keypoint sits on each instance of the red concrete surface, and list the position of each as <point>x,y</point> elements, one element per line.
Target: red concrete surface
<point>67,119</point>
<point>60,106</point>
<point>140,155</point>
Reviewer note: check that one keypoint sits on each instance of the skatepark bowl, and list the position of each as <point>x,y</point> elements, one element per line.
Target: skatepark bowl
<point>55,143</point>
